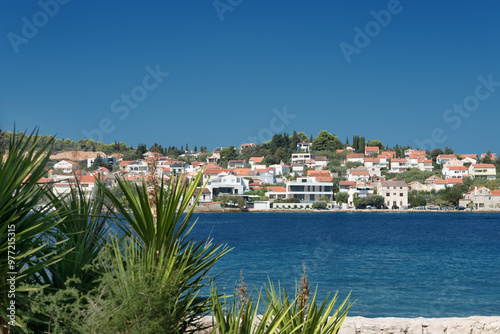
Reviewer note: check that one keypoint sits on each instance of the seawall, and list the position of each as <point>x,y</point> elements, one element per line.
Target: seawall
<point>470,325</point>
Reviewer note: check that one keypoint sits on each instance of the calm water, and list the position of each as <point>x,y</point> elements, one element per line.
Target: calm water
<point>395,264</point>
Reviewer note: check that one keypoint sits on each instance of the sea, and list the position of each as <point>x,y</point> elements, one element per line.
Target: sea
<point>404,264</point>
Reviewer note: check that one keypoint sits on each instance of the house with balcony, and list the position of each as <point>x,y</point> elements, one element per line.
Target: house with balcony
<point>66,166</point>
<point>358,175</point>
<point>398,165</point>
<point>304,146</point>
<point>355,157</point>
<point>443,158</point>
<point>455,171</point>
<point>228,184</point>
<point>483,171</point>
<point>309,190</point>
<point>137,166</point>
<point>372,150</point>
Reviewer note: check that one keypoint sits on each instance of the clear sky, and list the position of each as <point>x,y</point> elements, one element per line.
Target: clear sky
<point>225,72</point>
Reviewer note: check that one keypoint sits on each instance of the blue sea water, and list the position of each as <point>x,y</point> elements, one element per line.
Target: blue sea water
<point>395,264</point>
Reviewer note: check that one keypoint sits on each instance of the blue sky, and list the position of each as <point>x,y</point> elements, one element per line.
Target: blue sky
<point>246,69</point>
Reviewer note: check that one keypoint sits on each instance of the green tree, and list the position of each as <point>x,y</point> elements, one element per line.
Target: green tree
<point>341,197</point>
<point>326,142</point>
<point>375,143</point>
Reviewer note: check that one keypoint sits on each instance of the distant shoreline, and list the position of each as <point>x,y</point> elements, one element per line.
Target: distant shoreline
<point>225,210</point>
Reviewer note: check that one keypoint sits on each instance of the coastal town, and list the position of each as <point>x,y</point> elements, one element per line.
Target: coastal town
<point>346,178</point>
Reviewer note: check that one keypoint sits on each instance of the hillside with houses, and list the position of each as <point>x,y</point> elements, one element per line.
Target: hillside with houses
<point>295,172</point>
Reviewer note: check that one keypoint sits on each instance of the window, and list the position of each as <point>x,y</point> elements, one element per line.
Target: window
<point>387,195</point>
<point>400,194</point>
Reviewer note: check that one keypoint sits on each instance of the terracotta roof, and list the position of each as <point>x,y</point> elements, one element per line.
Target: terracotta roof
<point>398,160</point>
<point>355,155</point>
<point>277,189</point>
<point>212,166</point>
<point>483,165</point>
<point>256,159</point>
<point>347,183</point>
<point>440,182</point>
<point>359,172</point>
<point>446,156</point>
<point>242,171</point>
<point>454,180</point>
<point>87,179</point>
<point>472,156</point>
<point>372,148</point>
<point>318,173</point>
<point>457,168</point>
<point>372,159</point>
<point>323,178</point>
<point>495,192</point>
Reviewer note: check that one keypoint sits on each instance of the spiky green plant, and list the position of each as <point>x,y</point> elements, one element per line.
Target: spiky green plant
<point>24,224</point>
<point>230,317</point>
<point>161,236</point>
<point>306,316</point>
<point>84,226</point>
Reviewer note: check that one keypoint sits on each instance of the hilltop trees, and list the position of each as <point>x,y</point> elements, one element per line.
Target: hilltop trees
<point>326,142</point>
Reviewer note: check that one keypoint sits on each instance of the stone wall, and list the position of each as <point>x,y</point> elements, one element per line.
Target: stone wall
<point>471,325</point>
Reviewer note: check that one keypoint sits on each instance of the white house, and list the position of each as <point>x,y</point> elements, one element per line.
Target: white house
<point>110,160</point>
<point>301,158</point>
<point>309,190</point>
<point>394,192</point>
<point>372,150</point>
<point>358,175</point>
<point>304,146</point>
<point>137,166</point>
<point>237,164</point>
<point>281,169</point>
<point>359,190</point>
<point>454,171</point>
<point>442,158</point>
<point>355,157</point>
<point>66,166</point>
<point>398,165</point>
<point>256,163</point>
<point>228,184</point>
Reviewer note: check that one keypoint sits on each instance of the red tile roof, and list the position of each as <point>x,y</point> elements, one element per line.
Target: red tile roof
<point>256,159</point>
<point>454,180</point>
<point>355,155</point>
<point>483,165</point>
